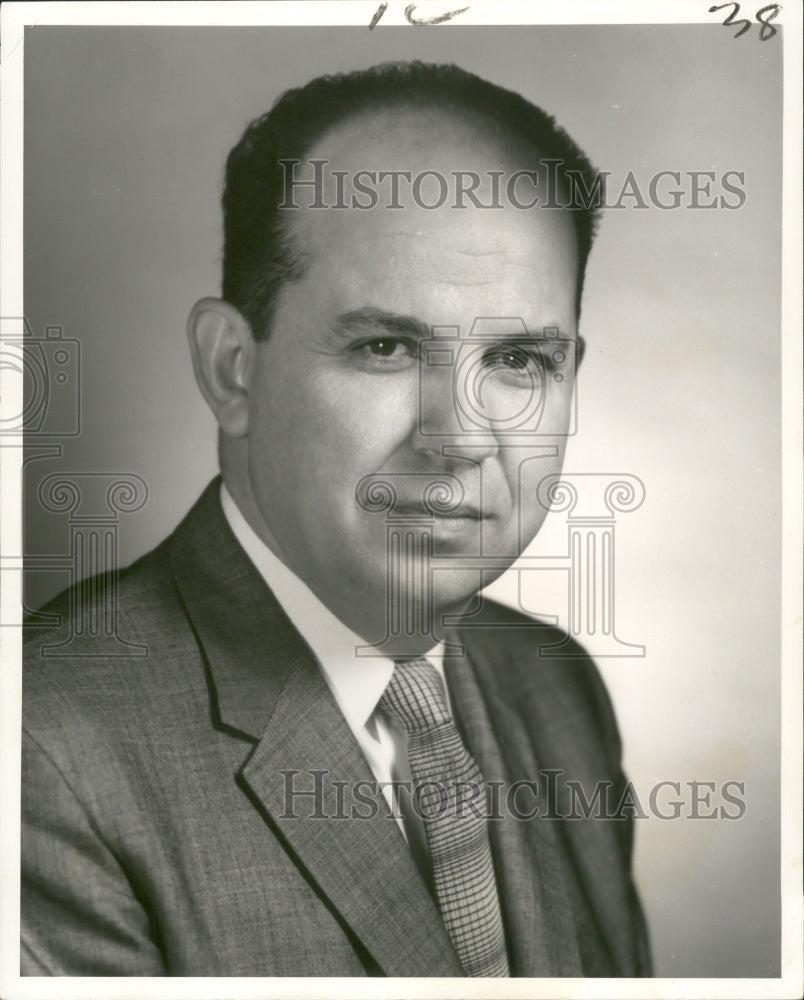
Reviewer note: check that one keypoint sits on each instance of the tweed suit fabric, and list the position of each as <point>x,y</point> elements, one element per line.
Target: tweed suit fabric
<point>158,835</point>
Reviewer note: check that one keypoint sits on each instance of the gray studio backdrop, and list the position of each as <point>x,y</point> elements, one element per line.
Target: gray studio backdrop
<point>126,130</point>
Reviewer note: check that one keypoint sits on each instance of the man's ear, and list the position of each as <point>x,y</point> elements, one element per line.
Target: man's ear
<point>222,349</point>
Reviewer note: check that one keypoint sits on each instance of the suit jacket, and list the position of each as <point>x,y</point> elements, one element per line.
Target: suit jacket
<point>160,790</point>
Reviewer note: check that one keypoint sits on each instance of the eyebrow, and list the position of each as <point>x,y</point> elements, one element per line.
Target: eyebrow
<point>370,319</point>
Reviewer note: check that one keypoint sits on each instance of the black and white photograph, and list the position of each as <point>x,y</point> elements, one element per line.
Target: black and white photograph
<point>401,494</point>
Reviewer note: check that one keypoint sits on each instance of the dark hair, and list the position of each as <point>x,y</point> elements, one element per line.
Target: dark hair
<point>258,253</point>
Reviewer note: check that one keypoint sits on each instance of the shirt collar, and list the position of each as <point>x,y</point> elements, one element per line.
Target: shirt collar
<point>357,682</point>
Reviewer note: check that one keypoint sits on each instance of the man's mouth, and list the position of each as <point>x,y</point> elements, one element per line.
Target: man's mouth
<point>460,519</point>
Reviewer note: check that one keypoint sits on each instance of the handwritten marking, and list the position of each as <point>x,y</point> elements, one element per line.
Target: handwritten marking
<point>435,19</point>
<point>766,30</point>
<point>775,10</point>
<point>378,13</point>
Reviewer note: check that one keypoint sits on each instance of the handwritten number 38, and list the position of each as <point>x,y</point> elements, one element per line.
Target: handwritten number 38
<point>764,16</point>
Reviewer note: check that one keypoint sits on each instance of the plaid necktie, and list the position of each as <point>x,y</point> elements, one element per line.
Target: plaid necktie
<point>443,771</point>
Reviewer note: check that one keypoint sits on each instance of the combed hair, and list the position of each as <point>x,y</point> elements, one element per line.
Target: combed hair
<point>258,253</point>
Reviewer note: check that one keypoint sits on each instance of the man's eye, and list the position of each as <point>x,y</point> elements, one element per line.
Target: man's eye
<point>385,354</point>
<point>513,359</point>
<point>387,348</point>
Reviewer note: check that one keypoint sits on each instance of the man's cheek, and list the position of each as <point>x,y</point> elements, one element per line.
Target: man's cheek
<point>527,497</point>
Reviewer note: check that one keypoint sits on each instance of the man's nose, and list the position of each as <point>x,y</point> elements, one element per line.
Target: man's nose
<point>445,424</point>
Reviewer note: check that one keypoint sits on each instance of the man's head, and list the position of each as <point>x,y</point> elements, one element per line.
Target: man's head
<point>259,254</point>
<point>320,361</point>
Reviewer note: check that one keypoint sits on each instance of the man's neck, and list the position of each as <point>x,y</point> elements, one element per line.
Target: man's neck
<point>254,535</point>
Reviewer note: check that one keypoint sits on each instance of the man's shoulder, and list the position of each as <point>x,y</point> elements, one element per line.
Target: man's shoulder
<point>100,634</point>
<point>533,665</point>
<point>87,611</point>
<point>104,611</point>
<point>523,639</point>
<point>109,640</point>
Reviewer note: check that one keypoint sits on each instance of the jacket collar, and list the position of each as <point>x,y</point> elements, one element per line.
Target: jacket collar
<point>249,644</point>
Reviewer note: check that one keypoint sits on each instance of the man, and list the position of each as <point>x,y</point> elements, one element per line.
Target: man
<point>317,768</point>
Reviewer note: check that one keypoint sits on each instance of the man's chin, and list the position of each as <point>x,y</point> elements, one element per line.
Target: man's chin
<point>413,626</point>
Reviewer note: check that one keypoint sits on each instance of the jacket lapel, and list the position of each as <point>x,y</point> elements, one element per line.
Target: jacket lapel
<point>266,687</point>
<point>538,919</point>
<point>360,860</point>
<point>537,734</point>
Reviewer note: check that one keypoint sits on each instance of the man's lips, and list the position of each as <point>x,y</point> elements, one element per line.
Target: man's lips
<point>463,513</point>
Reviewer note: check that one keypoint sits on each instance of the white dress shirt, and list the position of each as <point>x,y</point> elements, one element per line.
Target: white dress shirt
<point>357,683</point>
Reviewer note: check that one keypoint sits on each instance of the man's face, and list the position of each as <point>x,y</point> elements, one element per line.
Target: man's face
<point>340,390</point>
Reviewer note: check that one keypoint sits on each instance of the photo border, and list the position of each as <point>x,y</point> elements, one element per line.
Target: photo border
<point>15,17</point>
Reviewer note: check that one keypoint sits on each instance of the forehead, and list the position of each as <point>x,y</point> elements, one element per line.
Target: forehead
<point>422,135</point>
<point>455,250</point>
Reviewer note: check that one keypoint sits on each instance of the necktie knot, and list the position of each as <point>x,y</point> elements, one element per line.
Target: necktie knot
<point>415,696</point>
